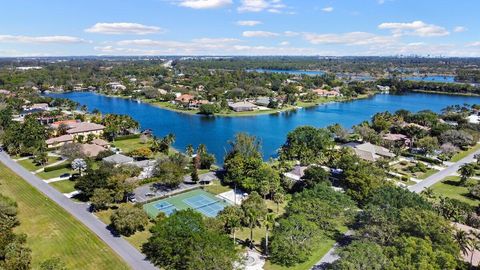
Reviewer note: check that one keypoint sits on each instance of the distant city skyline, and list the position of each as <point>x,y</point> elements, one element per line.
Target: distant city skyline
<point>240,27</point>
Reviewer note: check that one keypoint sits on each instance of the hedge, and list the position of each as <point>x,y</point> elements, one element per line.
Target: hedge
<point>128,137</point>
<point>423,158</point>
<point>58,167</point>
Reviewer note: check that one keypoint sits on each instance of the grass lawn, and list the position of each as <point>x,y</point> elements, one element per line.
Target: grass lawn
<point>323,246</point>
<point>216,188</point>
<point>52,232</point>
<point>427,174</point>
<point>130,144</point>
<point>463,154</point>
<point>53,174</point>
<point>449,187</point>
<point>31,166</point>
<point>65,186</point>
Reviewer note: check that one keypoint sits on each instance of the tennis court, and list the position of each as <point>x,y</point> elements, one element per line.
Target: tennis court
<point>198,200</point>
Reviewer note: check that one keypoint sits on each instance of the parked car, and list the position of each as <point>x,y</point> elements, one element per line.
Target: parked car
<point>65,175</point>
<point>149,194</point>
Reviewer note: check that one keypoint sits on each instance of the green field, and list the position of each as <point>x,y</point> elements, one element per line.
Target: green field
<point>30,165</point>
<point>463,154</point>
<point>64,186</point>
<point>53,174</point>
<point>449,187</point>
<point>52,232</point>
<point>130,144</point>
<point>216,188</point>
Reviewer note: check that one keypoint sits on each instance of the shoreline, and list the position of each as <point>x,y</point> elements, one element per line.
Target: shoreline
<point>303,105</point>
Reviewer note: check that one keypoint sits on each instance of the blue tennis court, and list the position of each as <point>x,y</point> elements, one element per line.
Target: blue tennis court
<point>165,207</point>
<point>206,205</point>
<point>199,200</point>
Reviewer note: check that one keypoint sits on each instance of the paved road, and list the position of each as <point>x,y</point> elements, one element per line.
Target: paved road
<point>127,252</point>
<point>450,170</point>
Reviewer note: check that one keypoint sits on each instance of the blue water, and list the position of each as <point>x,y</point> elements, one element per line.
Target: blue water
<point>290,72</point>
<point>270,129</point>
<point>438,78</point>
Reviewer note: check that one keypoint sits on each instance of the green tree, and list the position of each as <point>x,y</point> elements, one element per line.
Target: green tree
<point>307,144</point>
<point>361,255</point>
<point>101,199</point>
<point>128,219</point>
<point>231,217</point>
<point>268,223</point>
<point>315,175</point>
<point>183,241</point>
<point>293,240</point>
<point>466,171</point>
<point>254,210</point>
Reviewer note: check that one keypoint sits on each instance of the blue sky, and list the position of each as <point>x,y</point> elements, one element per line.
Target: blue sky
<point>240,27</point>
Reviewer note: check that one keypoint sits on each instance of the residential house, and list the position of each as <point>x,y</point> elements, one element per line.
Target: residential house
<point>326,93</point>
<point>101,143</point>
<point>473,119</point>
<point>115,86</point>
<point>296,173</point>
<point>397,139</point>
<point>59,141</point>
<point>91,150</point>
<point>4,92</point>
<point>184,99</point>
<point>86,128</point>
<point>369,152</point>
<point>118,159</point>
<point>262,101</point>
<point>195,104</point>
<point>243,106</point>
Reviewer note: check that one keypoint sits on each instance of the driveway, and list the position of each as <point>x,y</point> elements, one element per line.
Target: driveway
<point>439,176</point>
<point>127,252</point>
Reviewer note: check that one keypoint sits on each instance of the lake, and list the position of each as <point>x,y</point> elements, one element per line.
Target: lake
<point>270,129</point>
<point>436,78</point>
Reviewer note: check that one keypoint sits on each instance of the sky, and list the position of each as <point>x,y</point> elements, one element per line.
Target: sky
<point>240,27</point>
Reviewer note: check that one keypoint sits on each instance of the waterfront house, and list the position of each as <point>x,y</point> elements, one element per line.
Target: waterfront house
<point>369,152</point>
<point>86,128</point>
<point>474,119</point>
<point>262,101</point>
<point>243,106</point>
<point>184,99</point>
<point>326,93</point>
<point>195,104</point>
<point>115,86</point>
<point>59,141</point>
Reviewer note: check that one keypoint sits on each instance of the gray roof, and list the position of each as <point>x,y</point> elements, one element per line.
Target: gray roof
<point>118,159</point>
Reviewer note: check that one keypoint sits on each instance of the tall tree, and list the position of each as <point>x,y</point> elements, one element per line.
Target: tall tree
<point>254,210</point>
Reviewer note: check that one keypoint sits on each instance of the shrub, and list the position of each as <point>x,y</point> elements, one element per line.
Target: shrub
<point>128,137</point>
<point>58,167</point>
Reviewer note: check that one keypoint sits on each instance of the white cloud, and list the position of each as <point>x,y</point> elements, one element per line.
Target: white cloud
<point>352,38</point>
<point>41,39</point>
<point>204,4</point>
<point>291,34</point>
<point>416,28</point>
<point>459,29</point>
<point>262,34</point>
<point>327,9</point>
<point>284,43</point>
<point>202,46</point>
<point>123,28</point>
<point>473,44</point>
<point>272,6</point>
<point>248,23</point>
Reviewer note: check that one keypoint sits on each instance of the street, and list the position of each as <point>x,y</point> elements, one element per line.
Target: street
<point>124,249</point>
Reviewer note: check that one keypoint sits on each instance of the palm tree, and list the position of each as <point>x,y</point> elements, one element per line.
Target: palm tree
<point>463,240</point>
<point>428,193</point>
<point>156,144</point>
<point>189,151</point>
<point>466,171</point>
<point>268,223</point>
<point>278,198</point>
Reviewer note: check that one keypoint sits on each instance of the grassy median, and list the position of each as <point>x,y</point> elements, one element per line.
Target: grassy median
<point>53,232</point>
